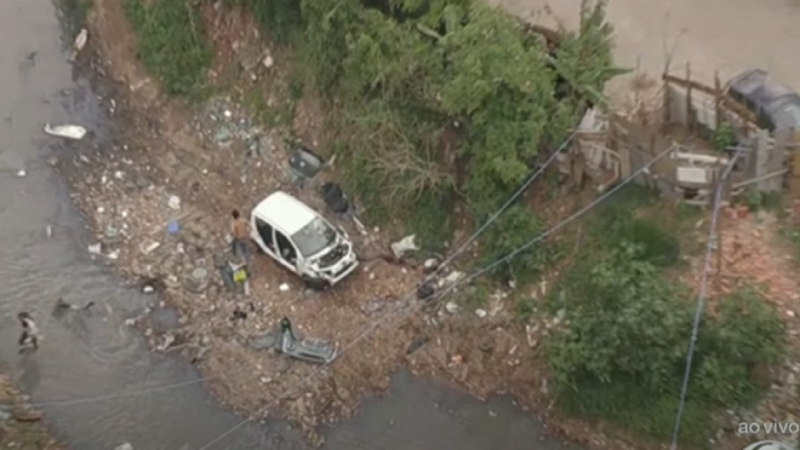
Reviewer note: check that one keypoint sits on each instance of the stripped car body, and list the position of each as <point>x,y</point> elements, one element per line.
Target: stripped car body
<point>775,106</point>
<point>302,240</point>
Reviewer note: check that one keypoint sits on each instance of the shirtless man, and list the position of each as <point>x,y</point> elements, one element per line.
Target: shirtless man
<point>30,332</point>
<point>240,229</point>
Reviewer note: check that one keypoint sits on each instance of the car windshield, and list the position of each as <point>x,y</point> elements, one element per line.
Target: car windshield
<point>314,237</point>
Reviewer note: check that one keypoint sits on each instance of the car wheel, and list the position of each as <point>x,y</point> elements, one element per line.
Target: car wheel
<point>316,284</point>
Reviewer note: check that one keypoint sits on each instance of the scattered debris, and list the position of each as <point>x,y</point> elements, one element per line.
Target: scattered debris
<point>96,249</point>
<point>404,246</point>
<point>79,43</point>
<point>307,349</point>
<point>430,265</point>
<point>305,165</point>
<point>75,132</point>
<point>451,278</point>
<point>372,306</point>
<point>174,202</point>
<point>284,287</point>
<point>481,313</point>
<point>335,199</point>
<point>425,292</point>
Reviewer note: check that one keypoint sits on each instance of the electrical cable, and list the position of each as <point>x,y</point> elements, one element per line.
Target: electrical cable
<point>368,330</point>
<point>717,206</point>
<point>98,398</point>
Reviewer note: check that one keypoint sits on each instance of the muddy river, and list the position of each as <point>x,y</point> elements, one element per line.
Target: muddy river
<point>88,362</point>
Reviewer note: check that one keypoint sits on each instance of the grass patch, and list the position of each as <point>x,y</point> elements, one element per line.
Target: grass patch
<point>639,216</point>
<point>431,220</point>
<point>272,116</point>
<point>628,407</point>
<point>171,43</point>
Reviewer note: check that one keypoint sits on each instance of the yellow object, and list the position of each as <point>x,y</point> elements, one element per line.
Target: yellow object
<point>239,276</point>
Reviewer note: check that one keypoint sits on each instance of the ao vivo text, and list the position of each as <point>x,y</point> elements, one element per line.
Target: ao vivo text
<point>768,427</point>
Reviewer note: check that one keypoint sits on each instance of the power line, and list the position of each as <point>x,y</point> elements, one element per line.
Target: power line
<point>701,298</point>
<point>367,331</point>
<point>99,398</point>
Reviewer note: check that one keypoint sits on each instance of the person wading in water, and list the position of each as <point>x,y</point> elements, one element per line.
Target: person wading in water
<point>30,332</point>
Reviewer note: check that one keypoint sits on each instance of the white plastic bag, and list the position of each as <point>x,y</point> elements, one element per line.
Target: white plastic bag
<point>66,131</point>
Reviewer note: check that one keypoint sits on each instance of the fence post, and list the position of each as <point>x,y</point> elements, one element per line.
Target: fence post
<point>717,101</point>
<point>689,119</point>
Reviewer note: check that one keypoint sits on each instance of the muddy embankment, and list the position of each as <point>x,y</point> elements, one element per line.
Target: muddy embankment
<point>21,427</point>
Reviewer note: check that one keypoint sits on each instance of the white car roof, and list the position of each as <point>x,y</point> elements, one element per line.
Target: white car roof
<point>285,212</point>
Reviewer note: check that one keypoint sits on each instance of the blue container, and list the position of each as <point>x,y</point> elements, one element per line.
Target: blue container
<point>173,227</point>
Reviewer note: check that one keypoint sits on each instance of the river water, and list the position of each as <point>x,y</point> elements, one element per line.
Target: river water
<point>86,356</point>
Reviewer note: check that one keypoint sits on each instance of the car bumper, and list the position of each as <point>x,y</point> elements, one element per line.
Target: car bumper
<point>341,272</point>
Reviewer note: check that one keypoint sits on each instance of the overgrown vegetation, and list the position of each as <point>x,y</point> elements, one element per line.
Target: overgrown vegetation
<point>171,43</point>
<point>620,354</point>
<point>435,102</point>
<point>408,73</point>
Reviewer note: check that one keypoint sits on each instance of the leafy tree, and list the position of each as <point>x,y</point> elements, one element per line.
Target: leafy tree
<point>398,72</point>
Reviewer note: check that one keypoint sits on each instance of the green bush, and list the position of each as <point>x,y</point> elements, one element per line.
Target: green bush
<point>616,222</point>
<point>513,229</point>
<point>621,353</point>
<point>281,19</point>
<point>171,43</point>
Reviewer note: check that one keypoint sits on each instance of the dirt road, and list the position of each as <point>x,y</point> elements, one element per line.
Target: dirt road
<point>713,35</point>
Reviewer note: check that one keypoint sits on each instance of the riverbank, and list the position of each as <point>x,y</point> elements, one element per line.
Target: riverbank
<point>163,149</point>
<point>22,427</point>
<point>215,158</point>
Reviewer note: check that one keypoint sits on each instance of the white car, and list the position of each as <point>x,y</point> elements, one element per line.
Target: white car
<point>301,240</point>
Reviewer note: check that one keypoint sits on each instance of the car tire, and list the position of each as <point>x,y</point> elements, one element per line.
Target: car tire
<point>316,284</point>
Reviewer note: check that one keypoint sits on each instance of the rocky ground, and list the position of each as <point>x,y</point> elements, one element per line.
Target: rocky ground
<point>168,162</point>
<point>21,427</point>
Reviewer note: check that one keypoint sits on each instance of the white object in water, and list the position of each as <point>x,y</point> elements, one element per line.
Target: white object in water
<point>21,173</point>
<point>125,446</point>
<point>76,132</point>
<point>96,249</point>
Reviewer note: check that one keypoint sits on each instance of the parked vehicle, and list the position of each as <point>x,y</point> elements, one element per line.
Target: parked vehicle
<point>775,106</point>
<point>302,240</point>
